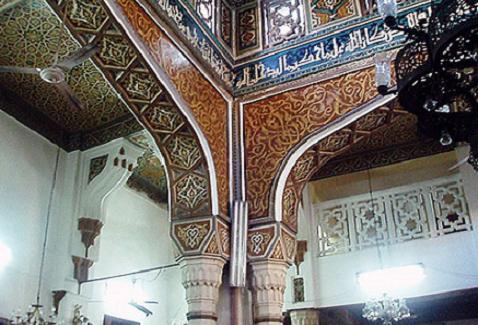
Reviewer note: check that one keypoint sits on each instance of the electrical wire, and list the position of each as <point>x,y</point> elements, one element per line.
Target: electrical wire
<point>375,217</point>
<point>47,225</point>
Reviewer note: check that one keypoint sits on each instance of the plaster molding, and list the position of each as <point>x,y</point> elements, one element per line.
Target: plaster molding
<point>121,159</point>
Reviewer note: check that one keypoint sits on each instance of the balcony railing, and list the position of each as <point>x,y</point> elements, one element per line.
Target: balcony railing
<point>420,210</point>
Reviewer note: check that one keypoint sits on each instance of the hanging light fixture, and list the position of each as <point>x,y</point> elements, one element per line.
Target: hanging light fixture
<point>387,308</point>
<point>437,71</point>
<point>35,314</point>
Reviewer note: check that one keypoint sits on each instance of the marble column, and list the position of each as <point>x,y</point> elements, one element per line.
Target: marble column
<point>304,317</point>
<point>201,277</point>
<point>268,285</point>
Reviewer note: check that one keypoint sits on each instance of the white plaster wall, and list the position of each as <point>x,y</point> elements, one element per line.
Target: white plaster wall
<point>451,261</point>
<point>26,172</point>
<point>135,236</point>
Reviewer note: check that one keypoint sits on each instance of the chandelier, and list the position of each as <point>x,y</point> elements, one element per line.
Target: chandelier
<point>437,71</point>
<point>386,309</point>
<point>35,315</point>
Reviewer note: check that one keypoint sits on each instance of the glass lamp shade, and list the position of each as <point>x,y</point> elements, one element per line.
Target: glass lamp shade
<point>382,72</point>
<point>388,11</point>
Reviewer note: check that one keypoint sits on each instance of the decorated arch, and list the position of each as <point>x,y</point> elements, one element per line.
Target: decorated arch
<point>197,178</point>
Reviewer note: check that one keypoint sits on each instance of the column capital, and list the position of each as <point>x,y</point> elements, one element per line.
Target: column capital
<point>201,277</point>
<point>304,317</point>
<point>268,283</point>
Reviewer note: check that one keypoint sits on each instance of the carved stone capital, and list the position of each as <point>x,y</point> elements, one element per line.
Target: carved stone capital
<point>82,266</point>
<point>304,317</point>
<point>89,229</point>
<point>268,283</point>
<point>202,277</point>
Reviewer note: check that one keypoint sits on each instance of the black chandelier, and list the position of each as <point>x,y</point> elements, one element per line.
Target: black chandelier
<point>437,71</point>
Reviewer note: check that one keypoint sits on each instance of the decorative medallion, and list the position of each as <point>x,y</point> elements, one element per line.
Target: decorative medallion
<point>192,235</point>
<point>191,190</point>
<point>184,151</point>
<point>258,241</point>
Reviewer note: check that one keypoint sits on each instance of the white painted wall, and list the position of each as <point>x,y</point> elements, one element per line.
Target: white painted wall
<point>451,261</point>
<point>26,173</point>
<point>135,236</point>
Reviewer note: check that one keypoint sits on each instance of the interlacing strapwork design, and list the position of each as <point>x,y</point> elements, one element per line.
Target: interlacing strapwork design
<point>29,37</point>
<point>284,20</point>
<point>421,210</point>
<point>191,190</point>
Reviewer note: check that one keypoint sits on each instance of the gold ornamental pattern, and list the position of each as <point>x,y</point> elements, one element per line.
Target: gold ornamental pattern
<point>375,126</point>
<point>207,105</point>
<point>276,124</point>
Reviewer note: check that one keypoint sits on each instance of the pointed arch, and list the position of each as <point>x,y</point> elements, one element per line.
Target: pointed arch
<point>157,105</point>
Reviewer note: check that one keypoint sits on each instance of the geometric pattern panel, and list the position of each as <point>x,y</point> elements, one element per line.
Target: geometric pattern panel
<point>421,210</point>
<point>226,27</point>
<point>284,20</point>
<point>29,37</point>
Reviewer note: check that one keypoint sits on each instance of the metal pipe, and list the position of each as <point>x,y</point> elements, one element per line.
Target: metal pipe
<point>131,273</point>
<point>237,312</point>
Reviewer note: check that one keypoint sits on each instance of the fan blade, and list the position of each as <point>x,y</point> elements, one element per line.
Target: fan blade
<point>19,70</point>
<point>10,5</point>
<point>69,94</point>
<point>458,164</point>
<point>151,302</point>
<point>145,310</point>
<point>78,57</point>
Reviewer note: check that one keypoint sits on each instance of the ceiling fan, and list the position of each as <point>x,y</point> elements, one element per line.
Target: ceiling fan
<point>143,308</point>
<point>139,305</point>
<point>55,73</point>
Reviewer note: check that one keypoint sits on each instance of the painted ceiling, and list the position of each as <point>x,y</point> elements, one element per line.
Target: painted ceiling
<point>149,176</point>
<point>398,142</point>
<point>31,35</point>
